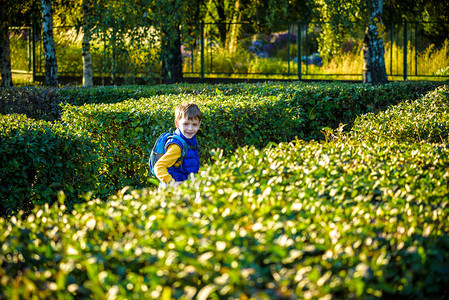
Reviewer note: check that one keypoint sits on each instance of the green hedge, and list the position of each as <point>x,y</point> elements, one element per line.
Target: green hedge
<point>319,99</point>
<point>235,115</point>
<point>43,103</point>
<point>422,120</point>
<point>343,220</point>
<point>35,102</point>
<point>323,104</point>
<point>353,218</point>
<point>329,104</point>
<point>115,94</point>
<point>130,128</point>
<point>38,159</point>
<point>391,92</point>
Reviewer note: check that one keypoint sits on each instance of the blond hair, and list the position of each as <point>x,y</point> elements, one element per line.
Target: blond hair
<point>188,111</point>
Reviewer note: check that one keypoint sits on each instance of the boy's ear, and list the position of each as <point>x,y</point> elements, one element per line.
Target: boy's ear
<point>176,123</point>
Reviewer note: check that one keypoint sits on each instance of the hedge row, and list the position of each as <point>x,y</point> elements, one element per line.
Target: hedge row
<point>234,116</point>
<point>347,219</point>
<point>342,220</point>
<point>423,120</point>
<point>320,100</point>
<point>39,158</point>
<point>130,128</point>
<point>115,94</point>
<point>321,104</point>
<point>34,102</point>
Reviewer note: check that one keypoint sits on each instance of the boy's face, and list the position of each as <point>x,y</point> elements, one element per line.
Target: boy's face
<point>188,127</point>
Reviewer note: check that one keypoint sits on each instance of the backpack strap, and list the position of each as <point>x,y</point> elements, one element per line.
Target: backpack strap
<point>184,146</point>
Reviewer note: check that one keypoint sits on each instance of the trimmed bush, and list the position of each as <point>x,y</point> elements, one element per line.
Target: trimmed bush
<point>43,103</point>
<point>298,220</point>
<point>349,219</point>
<point>38,159</point>
<point>388,94</point>
<point>329,104</point>
<point>34,102</point>
<point>323,103</point>
<point>130,128</point>
<point>115,94</point>
<point>235,115</point>
<point>422,120</point>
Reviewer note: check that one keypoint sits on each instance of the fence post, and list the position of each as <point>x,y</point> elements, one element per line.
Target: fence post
<point>298,50</point>
<point>202,50</point>
<point>391,48</point>
<point>288,47</point>
<point>33,51</point>
<point>416,49</point>
<point>405,52</point>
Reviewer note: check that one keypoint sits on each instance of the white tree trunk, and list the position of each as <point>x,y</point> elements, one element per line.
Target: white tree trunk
<point>87,59</point>
<point>366,60</point>
<point>235,28</point>
<point>51,66</point>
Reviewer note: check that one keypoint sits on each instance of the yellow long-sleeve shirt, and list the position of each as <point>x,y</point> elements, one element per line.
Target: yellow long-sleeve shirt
<point>167,160</point>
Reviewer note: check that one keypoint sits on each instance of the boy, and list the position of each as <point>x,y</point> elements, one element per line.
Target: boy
<point>169,169</point>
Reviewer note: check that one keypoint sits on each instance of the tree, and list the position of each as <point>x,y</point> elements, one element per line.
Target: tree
<point>77,14</point>
<point>170,37</point>
<point>117,30</point>
<point>87,59</point>
<point>174,19</point>
<point>5,53</point>
<point>338,20</point>
<point>12,13</point>
<point>376,50</point>
<point>219,12</point>
<point>261,15</point>
<point>432,15</point>
<point>234,27</point>
<point>436,18</point>
<point>51,67</point>
<point>341,18</point>
<point>366,61</point>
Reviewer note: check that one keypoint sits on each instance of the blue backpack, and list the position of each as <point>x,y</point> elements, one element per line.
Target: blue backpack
<point>159,149</point>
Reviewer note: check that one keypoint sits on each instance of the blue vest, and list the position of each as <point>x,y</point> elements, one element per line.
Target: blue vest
<point>190,163</point>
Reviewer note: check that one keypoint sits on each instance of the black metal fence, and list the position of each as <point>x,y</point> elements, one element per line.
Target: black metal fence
<point>237,51</point>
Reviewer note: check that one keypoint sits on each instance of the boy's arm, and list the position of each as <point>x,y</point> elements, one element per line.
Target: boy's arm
<point>166,161</point>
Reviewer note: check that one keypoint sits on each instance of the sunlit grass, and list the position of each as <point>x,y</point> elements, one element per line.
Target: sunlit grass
<point>431,62</point>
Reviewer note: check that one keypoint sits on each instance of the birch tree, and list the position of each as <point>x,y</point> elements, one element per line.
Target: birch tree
<point>344,17</point>
<point>376,50</point>
<point>51,67</point>
<point>87,58</point>
<point>235,27</point>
